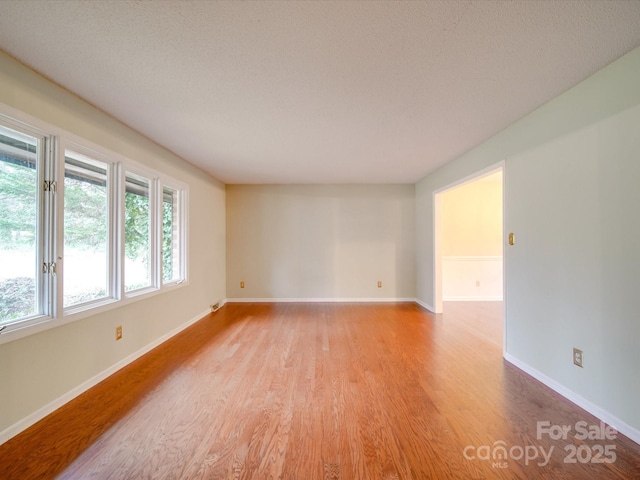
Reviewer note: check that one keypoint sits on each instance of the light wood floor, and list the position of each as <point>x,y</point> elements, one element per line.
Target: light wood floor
<point>316,391</point>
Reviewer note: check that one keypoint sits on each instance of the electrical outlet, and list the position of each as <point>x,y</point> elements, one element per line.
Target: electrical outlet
<point>477,283</point>
<point>241,284</point>
<point>577,357</point>
<point>118,332</point>
<point>379,283</point>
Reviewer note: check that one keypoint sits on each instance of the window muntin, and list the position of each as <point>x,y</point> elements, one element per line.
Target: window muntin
<point>137,233</point>
<point>171,235</point>
<point>87,230</point>
<point>20,289</point>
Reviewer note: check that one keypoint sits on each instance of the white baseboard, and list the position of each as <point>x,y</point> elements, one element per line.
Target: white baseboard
<point>425,305</point>
<point>39,414</point>
<point>595,410</point>
<point>318,300</point>
<point>472,299</point>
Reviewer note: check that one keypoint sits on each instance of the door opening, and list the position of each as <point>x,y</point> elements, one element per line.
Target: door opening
<point>468,241</point>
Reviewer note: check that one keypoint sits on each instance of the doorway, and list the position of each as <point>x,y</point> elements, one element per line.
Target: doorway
<point>468,241</point>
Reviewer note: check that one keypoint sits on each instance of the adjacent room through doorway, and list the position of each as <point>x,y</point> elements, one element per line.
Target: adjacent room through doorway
<point>469,249</point>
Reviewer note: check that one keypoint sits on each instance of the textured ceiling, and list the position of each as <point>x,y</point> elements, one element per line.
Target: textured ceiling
<point>318,92</point>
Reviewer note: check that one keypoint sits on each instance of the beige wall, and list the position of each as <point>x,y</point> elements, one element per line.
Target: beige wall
<point>472,240</point>
<point>320,241</point>
<point>472,218</point>
<point>39,369</point>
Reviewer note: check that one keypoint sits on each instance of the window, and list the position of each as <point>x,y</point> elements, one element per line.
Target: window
<point>19,243</point>
<point>113,232</point>
<point>137,233</point>
<point>26,229</point>
<point>87,230</point>
<point>171,235</point>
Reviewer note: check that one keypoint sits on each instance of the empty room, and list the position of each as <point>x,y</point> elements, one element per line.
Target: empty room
<point>319,239</point>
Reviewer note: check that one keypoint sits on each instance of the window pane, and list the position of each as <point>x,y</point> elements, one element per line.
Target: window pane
<point>86,229</point>
<point>137,233</point>
<point>18,225</point>
<point>170,235</point>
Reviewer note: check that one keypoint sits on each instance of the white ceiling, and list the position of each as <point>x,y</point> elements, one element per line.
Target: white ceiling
<point>318,92</point>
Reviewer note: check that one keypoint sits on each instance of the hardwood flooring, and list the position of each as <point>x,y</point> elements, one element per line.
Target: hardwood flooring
<point>318,391</point>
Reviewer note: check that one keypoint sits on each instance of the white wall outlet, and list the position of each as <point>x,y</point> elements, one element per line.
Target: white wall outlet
<point>577,357</point>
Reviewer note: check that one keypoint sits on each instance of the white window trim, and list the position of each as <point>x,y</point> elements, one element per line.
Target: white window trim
<point>112,199</point>
<point>183,202</point>
<point>45,238</point>
<point>151,176</point>
<point>56,140</point>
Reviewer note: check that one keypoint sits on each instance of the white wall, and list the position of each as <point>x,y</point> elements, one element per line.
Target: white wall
<point>475,279</point>
<point>572,198</point>
<point>37,370</point>
<point>320,241</point>
<point>578,240</point>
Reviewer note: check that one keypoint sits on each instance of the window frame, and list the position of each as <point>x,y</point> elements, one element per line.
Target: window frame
<point>112,218</point>
<point>146,174</point>
<point>45,243</point>
<point>55,142</point>
<point>182,193</point>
